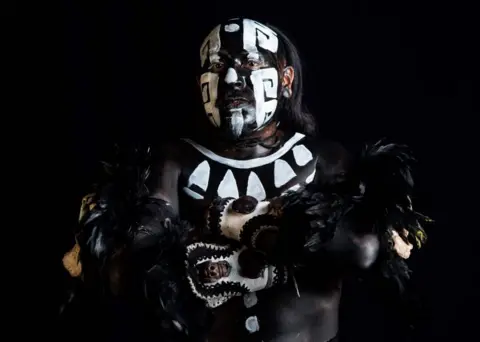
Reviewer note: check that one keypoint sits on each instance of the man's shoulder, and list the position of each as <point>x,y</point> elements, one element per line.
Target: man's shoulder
<point>328,150</point>
<point>170,150</point>
<point>333,160</point>
<point>176,154</point>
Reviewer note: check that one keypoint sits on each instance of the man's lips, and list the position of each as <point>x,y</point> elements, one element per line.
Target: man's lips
<point>233,102</point>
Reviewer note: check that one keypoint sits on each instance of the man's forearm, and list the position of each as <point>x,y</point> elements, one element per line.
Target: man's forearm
<point>152,216</point>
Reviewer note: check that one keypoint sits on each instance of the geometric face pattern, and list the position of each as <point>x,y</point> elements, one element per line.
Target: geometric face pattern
<point>252,36</point>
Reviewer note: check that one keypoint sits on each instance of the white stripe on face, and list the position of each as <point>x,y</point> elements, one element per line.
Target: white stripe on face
<point>210,46</point>
<point>231,76</point>
<point>209,84</point>
<point>255,33</point>
<point>265,83</point>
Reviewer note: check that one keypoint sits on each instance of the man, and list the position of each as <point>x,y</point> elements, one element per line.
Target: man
<point>230,240</point>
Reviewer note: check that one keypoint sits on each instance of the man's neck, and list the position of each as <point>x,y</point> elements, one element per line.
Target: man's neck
<point>259,144</point>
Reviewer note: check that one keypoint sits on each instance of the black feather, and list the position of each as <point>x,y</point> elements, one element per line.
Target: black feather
<point>157,270</point>
<point>167,291</point>
<point>107,227</point>
<point>377,200</point>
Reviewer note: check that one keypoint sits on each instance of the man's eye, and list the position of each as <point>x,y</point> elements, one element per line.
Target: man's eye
<point>253,64</point>
<point>217,66</point>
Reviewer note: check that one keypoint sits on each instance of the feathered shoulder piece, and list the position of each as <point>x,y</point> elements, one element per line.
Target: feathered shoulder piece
<point>120,226</point>
<point>376,198</point>
<point>384,175</point>
<point>108,213</point>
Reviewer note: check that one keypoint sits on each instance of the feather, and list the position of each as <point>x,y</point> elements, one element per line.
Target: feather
<point>166,286</point>
<point>108,225</point>
<point>377,200</point>
<point>110,220</point>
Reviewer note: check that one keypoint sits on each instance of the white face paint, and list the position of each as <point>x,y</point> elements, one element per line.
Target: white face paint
<point>210,46</point>
<point>209,84</point>
<point>265,81</point>
<point>256,34</point>
<point>209,81</point>
<point>232,28</point>
<point>231,76</point>
<point>265,85</point>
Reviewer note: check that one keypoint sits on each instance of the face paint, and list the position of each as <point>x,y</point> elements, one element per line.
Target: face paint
<point>239,82</point>
<point>209,84</point>
<point>265,86</point>
<point>236,122</point>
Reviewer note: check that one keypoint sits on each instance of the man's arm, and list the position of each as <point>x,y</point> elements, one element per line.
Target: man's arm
<point>163,183</point>
<point>379,224</point>
<point>131,243</point>
<point>135,194</point>
<point>162,200</point>
<point>352,248</point>
<point>159,253</point>
<point>351,245</point>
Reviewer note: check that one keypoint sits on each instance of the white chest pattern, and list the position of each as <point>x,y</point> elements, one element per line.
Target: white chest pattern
<point>283,172</point>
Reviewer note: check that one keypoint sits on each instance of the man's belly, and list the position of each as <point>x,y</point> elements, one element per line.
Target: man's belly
<point>281,316</point>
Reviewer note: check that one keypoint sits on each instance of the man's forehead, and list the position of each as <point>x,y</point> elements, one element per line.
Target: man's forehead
<point>238,36</point>
<point>224,53</point>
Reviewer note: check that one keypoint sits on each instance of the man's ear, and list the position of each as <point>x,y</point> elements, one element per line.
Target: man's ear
<point>287,77</point>
<point>287,82</point>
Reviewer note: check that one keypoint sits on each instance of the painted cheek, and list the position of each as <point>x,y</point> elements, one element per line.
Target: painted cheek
<point>258,91</point>
<point>209,88</point>
<point>265,87</point>
<point>210,46</point>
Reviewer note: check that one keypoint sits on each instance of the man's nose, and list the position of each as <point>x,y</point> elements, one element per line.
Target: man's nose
<point>232,78</point>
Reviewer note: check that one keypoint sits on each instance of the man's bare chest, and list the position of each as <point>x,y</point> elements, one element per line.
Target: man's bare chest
<point>279,315</point>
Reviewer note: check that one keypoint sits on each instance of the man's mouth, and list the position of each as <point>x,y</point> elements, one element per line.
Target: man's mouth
<point>235,102</point>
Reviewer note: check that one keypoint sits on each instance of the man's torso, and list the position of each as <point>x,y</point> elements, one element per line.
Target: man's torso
<point>304,312</point>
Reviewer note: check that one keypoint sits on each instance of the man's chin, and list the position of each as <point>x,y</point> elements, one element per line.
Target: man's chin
<point>234,135</point>
<point>237,121</point>
<point>234,123</point>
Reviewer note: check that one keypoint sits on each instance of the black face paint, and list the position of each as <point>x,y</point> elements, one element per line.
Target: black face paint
<point>239,84</point>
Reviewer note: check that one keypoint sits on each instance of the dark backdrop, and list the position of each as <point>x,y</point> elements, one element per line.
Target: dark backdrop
<point>372,69</point>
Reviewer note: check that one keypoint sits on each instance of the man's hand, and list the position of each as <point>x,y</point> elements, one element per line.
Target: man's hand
<point>402,248</point>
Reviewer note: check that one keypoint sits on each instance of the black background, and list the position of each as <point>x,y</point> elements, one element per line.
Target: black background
<point>401,70</point>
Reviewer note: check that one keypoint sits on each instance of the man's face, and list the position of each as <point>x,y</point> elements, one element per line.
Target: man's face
<point>240,79</point>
